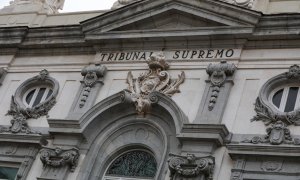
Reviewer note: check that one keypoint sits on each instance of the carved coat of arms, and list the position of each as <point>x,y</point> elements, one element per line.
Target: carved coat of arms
<point>156,79</point>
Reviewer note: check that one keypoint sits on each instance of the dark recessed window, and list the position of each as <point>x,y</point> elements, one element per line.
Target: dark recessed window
<point>7,173</point>
<point>286,99</point>
<point>36,95</point>
<point>131,166</point>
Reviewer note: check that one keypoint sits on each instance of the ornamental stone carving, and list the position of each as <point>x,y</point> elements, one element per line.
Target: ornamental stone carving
<point>91,76</point>
<point>277,134</point>
<point>45,6</point>
<point>191,166</point>
<point>272,166</point>
<point>265,111</point>
<point>218,74</point>
<point>21,113</point>
<point>244,3</point>
<point>157,79</point>
<point>57,157</point>
<point>294,72</point>
<point>121,3</point>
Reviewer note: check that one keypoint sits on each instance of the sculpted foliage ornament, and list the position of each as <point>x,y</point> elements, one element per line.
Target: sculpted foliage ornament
<point>57,157</point>
<point>218,74</point>
<point>91,76</point>
<point>157,79</point>
<point>277,134</point>
<point>191,166</point>
<point>21,113</point>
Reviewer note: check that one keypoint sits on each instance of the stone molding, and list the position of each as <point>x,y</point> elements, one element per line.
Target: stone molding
<point>190,166</point>
<point>156,79</point>
<point>20,149</point>
<point>21,113</point>
<point>3,73</point>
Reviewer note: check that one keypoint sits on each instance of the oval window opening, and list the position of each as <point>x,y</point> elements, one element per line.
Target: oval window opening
<point>286,99</point>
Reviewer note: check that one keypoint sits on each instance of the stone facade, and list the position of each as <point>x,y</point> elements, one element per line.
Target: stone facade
<point>163,90</point>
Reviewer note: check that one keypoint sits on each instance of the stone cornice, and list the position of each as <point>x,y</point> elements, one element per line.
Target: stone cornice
<point>82,38</point>
<point>247,149</point>
<point>216,133</point>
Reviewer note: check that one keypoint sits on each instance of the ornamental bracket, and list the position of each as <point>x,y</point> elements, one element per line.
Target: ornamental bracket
<point>191,166</point>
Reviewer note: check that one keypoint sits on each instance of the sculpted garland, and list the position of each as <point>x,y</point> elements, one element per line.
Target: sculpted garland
<point>157,79</point>
<point>277,122</point>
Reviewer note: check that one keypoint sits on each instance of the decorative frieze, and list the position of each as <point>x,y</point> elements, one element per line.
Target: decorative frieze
<point>191,166</point>
<point>157,79</point>
<point>57,157</point>
<point>218,74</point>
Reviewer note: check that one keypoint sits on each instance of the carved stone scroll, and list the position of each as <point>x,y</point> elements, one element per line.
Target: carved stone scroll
<point>90,85</point>
<point>57,162</point>
<point>191,167</point>
<point>157,79</point>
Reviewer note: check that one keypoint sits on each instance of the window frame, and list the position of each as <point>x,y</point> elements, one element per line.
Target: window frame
<point>284,97</point>
<point>124,177</point>
<point>35,94</point>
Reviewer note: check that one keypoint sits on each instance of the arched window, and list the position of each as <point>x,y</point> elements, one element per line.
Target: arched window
<point>132,165</point>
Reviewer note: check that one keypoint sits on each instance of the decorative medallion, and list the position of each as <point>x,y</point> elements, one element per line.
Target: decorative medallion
<point>57,157</point>
<point>277,134</point>
<point>91,76</point>
<point>218,74</point>
<point>157,79</point>
<point>265,111</point>
<point>272,166</point>
<point>21,113</point>
<point>191,166</point>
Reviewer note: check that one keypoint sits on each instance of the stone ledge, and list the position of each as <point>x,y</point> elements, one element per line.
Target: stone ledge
<point>247,149</point>
<point>216,133</point>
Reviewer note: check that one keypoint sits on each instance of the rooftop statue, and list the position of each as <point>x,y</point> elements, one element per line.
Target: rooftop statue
<point>41,6</point>
<point>121,3</point>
